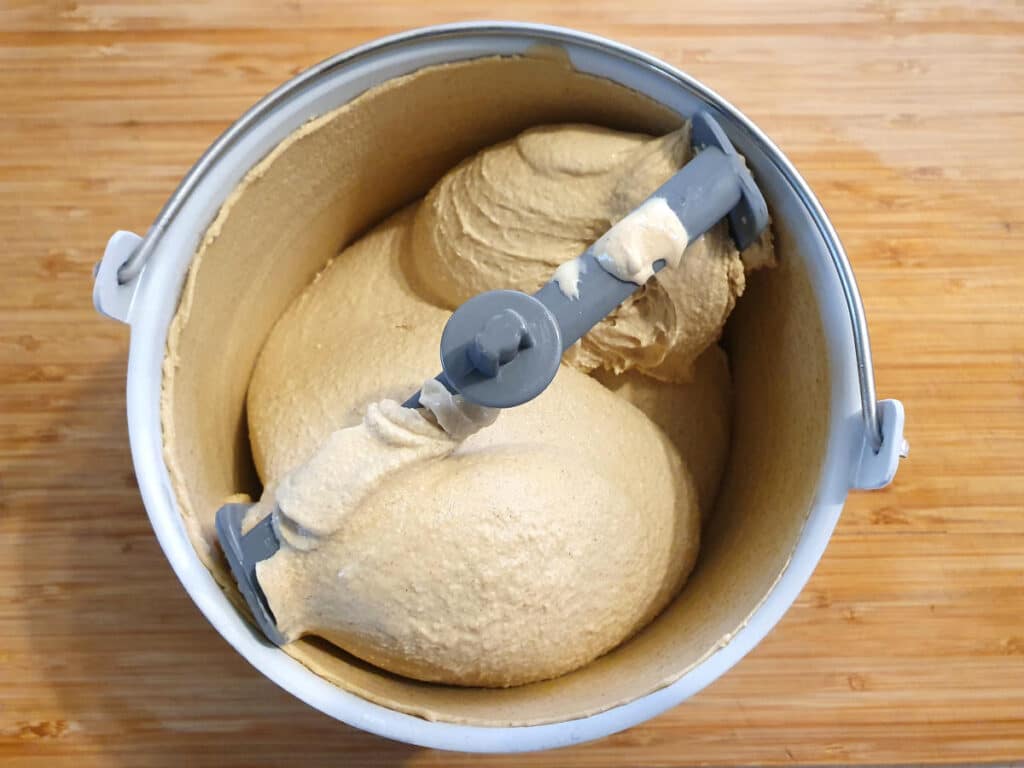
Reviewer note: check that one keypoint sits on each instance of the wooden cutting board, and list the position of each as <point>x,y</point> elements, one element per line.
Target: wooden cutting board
<point>907,118</point>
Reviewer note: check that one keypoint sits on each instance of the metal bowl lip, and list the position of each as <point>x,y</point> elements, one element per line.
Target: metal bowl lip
<point>349,707</point>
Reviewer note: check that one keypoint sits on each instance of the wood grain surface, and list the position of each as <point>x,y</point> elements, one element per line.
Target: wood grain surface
<point>907,118</point>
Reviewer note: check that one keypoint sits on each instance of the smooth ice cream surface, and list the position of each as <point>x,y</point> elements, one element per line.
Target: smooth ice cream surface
<point>520,551</point>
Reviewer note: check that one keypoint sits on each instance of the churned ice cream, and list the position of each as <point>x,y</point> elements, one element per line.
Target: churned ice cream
<point>457,545</point>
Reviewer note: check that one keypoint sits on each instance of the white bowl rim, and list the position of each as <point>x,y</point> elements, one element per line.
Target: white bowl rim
<point>847,436</point>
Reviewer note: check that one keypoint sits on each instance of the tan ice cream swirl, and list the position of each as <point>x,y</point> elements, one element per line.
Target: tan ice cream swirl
<point>509,216</point>
<point>523,550</point>
<point>494,558</point>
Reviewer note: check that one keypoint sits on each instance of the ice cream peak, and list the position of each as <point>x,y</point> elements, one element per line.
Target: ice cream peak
<point>512,214</point>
